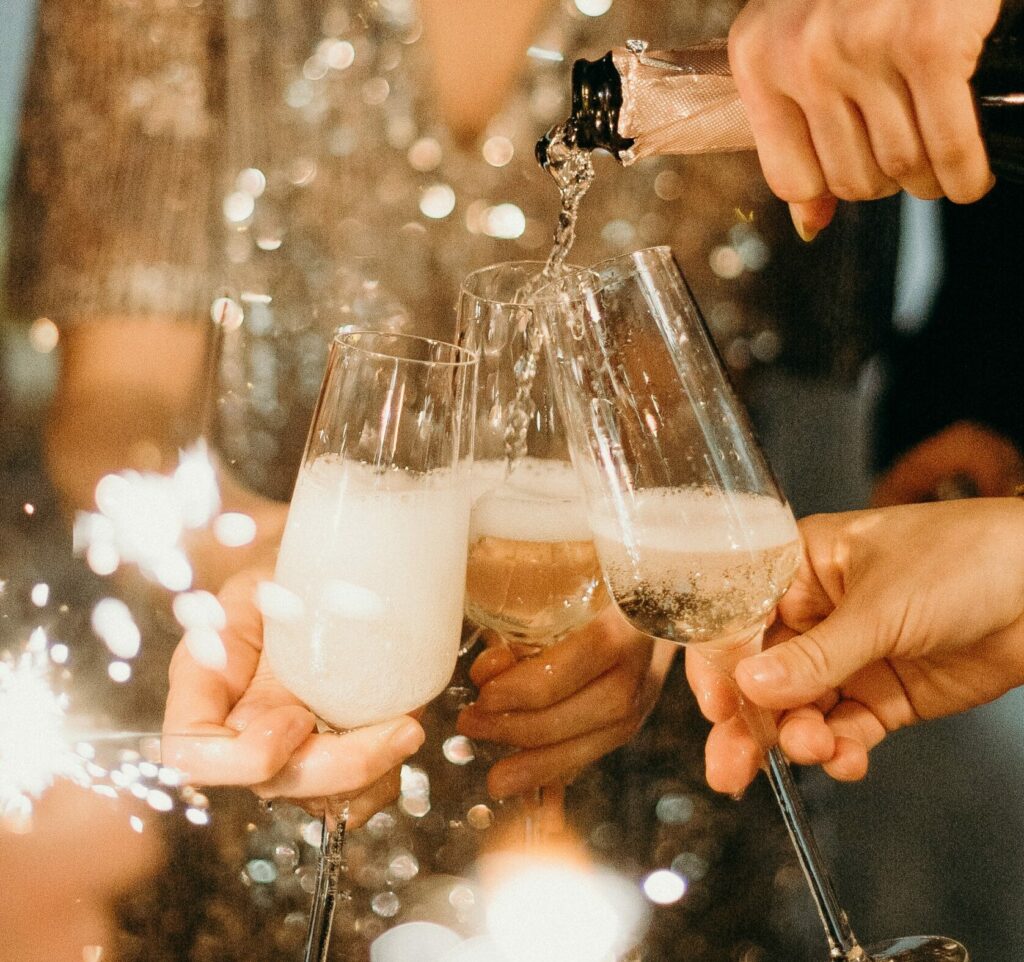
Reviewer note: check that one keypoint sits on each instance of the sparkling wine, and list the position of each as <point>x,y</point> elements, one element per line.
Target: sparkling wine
<point>532,573</point>
<point>573,172</point>
<point>697,567</point>
<point>355,643</point>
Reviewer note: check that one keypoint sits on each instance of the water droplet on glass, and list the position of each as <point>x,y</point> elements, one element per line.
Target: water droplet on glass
<point>228,313</point>
<point>312,831</point>
<point>663,887</point>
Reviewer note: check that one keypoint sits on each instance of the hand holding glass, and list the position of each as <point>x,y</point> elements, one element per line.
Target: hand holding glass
<point>695,540</point>
<point>364,616</point>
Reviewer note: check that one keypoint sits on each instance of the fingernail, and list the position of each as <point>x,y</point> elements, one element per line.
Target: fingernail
<point>407,738</point>
<point>765,670</point>
<point>738,796</point>
<point>806,235</point>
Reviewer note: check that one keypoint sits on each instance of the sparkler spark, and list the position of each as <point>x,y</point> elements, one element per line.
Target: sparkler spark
<point>33,748</point>
<point>143,518</point>
<point>41,744</point>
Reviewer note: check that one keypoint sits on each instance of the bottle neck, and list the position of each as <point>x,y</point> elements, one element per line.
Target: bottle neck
<point>596,102</point>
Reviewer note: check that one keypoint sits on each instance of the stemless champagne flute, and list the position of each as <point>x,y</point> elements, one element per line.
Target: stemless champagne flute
<point>695,540</point>
<point>532,574</point>
<point>364,616</point>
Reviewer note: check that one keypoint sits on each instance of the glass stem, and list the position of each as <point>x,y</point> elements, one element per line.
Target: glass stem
<point>842,942</point>
<point>325,892</point>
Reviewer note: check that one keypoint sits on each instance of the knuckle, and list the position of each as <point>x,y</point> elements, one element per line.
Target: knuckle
<point>949,153</point>
<point>793,186</point>
<point>359,774</point>
<point>812,656</point>
<point>898,165</point>
<point>540,692</point>
<point>744,48</point>
<point>920,47</point>
<point>262,767</point>
<point>621,704</point>
<point>845,187</point>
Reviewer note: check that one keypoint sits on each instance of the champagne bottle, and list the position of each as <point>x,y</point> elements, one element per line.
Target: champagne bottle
<point>636,103</point>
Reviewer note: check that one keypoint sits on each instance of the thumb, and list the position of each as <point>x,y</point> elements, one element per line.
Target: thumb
<point>799,671</point>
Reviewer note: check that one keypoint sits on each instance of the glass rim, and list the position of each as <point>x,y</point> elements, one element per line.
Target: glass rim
<point>462,357</point>
<point>464,290</point>
<point>596,270</point>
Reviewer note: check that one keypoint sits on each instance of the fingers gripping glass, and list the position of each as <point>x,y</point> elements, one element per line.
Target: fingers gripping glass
<point>532,573</point>
<point>363,619</point>
<point>695,540</point>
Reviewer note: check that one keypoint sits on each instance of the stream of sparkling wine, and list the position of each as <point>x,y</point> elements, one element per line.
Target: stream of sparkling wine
<point>572,169</point>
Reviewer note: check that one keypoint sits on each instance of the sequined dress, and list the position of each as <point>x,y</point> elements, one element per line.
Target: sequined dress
<point>283,164</point>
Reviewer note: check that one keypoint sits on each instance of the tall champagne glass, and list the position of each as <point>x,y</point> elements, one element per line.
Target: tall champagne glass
<point>695,540</point>
<point>364,617</point>
<point>532,573</point>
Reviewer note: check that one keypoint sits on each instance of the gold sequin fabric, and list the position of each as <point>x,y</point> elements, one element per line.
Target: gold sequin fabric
<point>289,156</point>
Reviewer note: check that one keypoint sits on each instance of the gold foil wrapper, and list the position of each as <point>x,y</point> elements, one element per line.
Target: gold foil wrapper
<point>680,102</point>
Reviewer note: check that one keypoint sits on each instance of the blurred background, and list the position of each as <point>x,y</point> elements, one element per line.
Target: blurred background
<point>932,840</point>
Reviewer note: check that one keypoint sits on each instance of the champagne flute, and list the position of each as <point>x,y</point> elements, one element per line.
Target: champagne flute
<point>695,540</point>
<point>532,574</point>
<point>364,616</point>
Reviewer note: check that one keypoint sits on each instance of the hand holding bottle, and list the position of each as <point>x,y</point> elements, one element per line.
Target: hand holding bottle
<point>859,100</point>
<point>896,615</point>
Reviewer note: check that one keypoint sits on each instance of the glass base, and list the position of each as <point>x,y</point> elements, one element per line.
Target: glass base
<point>918,948</point>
